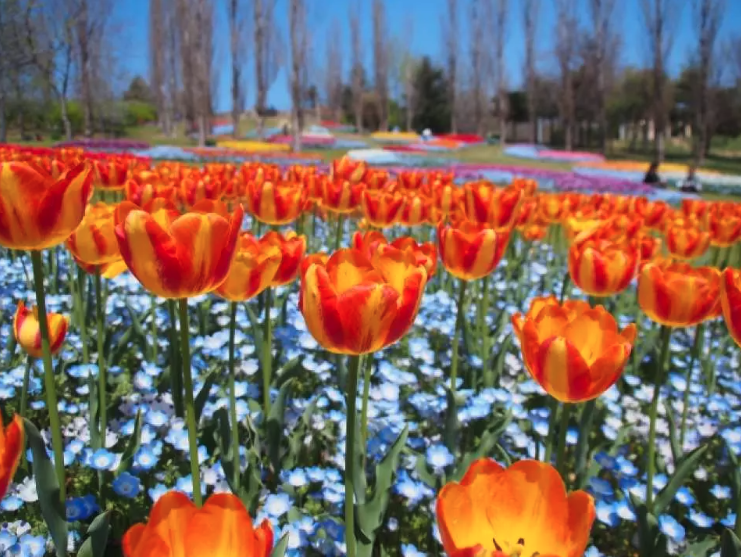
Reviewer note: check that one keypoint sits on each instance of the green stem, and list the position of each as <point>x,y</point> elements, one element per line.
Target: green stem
<point>552,421</point>
<point>737,526</point>
<point>368,370</point>
<point>696,347</point>
<point>483,328</point>
<point>352,393</point>
<point>24,389</point>
<point>49,385</point>
<point>666,334</point>
<point>190,415</point>
<point>233,395</point>
<point>176,378</point>
<point>79,306</point>
<point>562,433</point>
<point>153,325</point>
<point>267,353</point>
<point>338,232</point>
<point>458,320</point>
<point>101,356</point>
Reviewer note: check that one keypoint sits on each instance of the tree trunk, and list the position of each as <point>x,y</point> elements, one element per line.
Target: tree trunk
<point>296,27</point>
<point>83,40</point>
<point>65,118</point>
<point>236,70</point>
<point>3,122</point>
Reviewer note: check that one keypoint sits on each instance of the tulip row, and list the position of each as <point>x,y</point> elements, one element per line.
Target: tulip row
<point>360,300</point>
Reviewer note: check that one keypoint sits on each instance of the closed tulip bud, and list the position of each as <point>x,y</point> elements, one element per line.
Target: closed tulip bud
<point>340,196</point>
<point>382,209</point>
<point>650,247</point>
<point>655,214</point>
<point>275,203</point>
<point>471,251</point>
<point>179,258</point>
<point>724,228</point>
<point>37,211</point>
<point>496,207</point>
<point>602,267</point>
<point>111,174</point>
<point>347,169</point>
<point>575,352</point>
<point>678,295</point>
<point>695,208</point>
<point>28,330</point>
<point>415,210</point>
<point>354,306</point>
<point>534,233</point>
<point>553,207</point>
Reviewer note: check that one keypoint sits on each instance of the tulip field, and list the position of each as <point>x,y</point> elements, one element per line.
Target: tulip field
<point>257,360</point>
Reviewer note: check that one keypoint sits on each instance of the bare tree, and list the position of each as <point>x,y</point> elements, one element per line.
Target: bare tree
<point>531,12</point>
<point>450,31</point>
<point>478,63</point>
<point>499,28</point>
<point>298,34</point>
<point>158,52</point>
<point>602,12</point>
<point>236,47</point>
<point>357,64</point>
<point>171,60</point>
<point>267,54</point>
<point>380,62</point>
<point>708,16</point>
<point>333,73</point>
<point>661,17</point>
<point>566,49</point>
<point>409,72</point>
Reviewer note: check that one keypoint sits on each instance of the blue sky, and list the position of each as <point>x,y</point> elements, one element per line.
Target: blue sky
<point>131,28</point>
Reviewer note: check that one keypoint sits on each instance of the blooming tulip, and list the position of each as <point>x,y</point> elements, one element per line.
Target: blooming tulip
<point>38,212</point>
<point>353,305</point>
<point>94,241</point>
<point>292,249</point>
<point>275,203</point>
<point>602,267</point>
<point>111,174</point>
<point>471,251</point>
<point>185,257</point>
<point>678,295</point>
<point>496,207</point>
<point>575,352</point>
<point>521,510</point>
<point>11,447</point>
<point>730,299</point>
<point>28,332</point>
<point>685,239</point>
<point>253,270</point>
<point>177,528</point>
<point>382,209</point>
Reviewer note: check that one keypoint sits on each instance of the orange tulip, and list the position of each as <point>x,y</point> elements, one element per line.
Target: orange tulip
<point>28,331</point>
<point>575,352</point>
<point>471,251</point>
<point>348,169</point>
<point>730,299</point>
<point>187,256</point>
<point>367,242</point>
<point>94,241</point>
<point>292,249</point>
<point>725,228</point>
<point>38,212</point>
<point>534,232</point>
<point>275,203</point>
<point>685,240</point>
<point>496,207</point>
<point>340,196</point>
<point>107,270</point>
<point>177,528</point>
<point>602,267</point>
<point>415,210</point>
<point>253,270</point>
<point>521,510</point>
<point>678,295</point>
<point>382,209</point>
<point>144,194</point>
<point>650,246</point>
<point>353,305</point>
<point>425,254</point>
<point>695,208</point>
<point>552,207</point>
<point>446,198</point>
<point>111,174</point>
<point>197,187</point>
<point>320,258</point>
<point>656,212</point>
<point>11,447</point>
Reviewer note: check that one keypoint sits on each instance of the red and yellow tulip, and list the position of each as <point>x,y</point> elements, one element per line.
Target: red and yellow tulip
<point>685,239</point>
<point>730,299</point>
<point>28,330</point>
<point>574,351</point>
<point>11,446</point>
<point>292,250</point>
<point>602,267</point>
<point>275,203</point>
<point>94,241</point>
<point>496,207</point>
<point>382,209</point>
<point>471,251</point>
<point>522,510</point>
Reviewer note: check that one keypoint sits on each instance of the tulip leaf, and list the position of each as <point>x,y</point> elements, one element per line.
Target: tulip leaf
<point>370,515</point>
<point>276,423</point>
<point>730,545</point>
<point>298,435</point>
<point>684,468</point>
<point>735,476</point>
<point>280,548</point>
<point>450,434</point>
<point>202,396</point>
<point>47,487</point>
<point>94,415</point>
<point>135,322</point>
<point>652,542</point>
<point>498,364</point>
<point>673,442</point>
<point>701,549</point>
<point>420,466</point>
<point>288,370</point>
<point>95,545</point>
<point>486,445</point>
<point>582,445</point>
<point>256,328</point>
<point>132,447</point>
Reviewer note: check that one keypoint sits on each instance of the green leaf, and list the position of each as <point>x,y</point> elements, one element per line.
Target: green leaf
<point>652,543</point>
<point>95,545</point>
<point>280,548</point>
<point>275,425</point>
<point>47,487</point>
<point>498,365</point>
<point>582,445</point>
<point>730,545</point>
<point>486,445</point>
<point>420,466</point>
<point>127,458</point>
<point>735,476</point>
<point>136,324</point>
<point>676,449</point>
<point>94,418</point>
<point>700,549</point>
<point>256,329</point>
<point>450,434</point>
<point>202,396</point>
<point>288,371</point>
<point>684,468</point>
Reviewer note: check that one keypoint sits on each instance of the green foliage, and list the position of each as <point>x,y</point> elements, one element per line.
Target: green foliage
<point>432,110</point>
<point>137,113</point>
<point>138,91</point>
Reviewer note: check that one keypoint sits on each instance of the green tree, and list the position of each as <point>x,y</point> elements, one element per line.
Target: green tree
<point>432,110</point>
<point>138,91</point>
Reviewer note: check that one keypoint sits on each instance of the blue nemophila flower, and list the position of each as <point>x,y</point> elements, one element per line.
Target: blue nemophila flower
<point>145,458</point>
<point>276,505</point>
<point>296,477</point>
<point>721,491</point>
<point>685,497</point>
<point>102,460</point>
<point>80,508</point>
<point>157,491</point>
<point>601,487</point>
<point>439,457</point>
<point>671,528</point>
<point>127,485</point>
<point>7,541</point>
<point>409,550</point>
<point>11,503</point>
<point>729,521</point>
<point>32,546</point>
<point>700,519</point>
<point>606,514</point>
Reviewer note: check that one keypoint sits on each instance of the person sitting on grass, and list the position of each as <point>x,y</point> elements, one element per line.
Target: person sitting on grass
<point>652,177</point>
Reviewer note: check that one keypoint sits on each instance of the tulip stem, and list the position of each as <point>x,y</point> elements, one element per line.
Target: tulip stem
<point>80,311</point>
<point>368,371</point>
<point>483,329</point>
<point>666,334</point>
<point>24,389</point>
<point>153,314</point>
<point>552,421</point>
<point>101,357</point>
<point>696,348</point>
<point>338,233</point>
<point>458,319</point>
<point>233,396</point>
<point>49,386</point>
<point>190,415</point>
<point>175,368</point>
<point>267,353</point>
<point>562,433</point>
<point>352,392</point>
